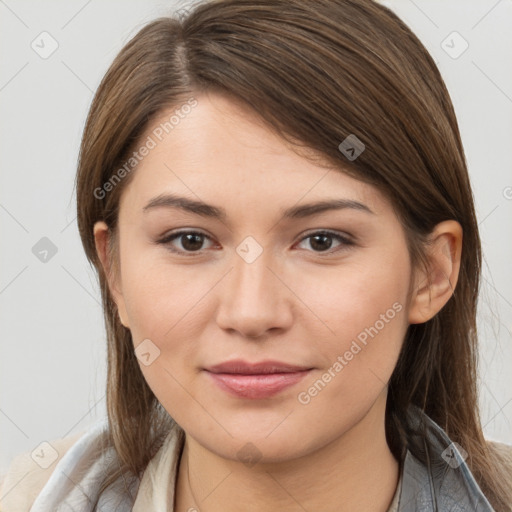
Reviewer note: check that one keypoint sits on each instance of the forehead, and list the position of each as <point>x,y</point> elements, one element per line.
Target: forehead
<point>221,152</point>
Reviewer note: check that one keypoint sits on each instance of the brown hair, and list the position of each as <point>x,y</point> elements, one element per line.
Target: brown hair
<point>315,71</point>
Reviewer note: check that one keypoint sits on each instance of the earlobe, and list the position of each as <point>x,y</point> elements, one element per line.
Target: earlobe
<point>443,254</point>
<point>101,239</point>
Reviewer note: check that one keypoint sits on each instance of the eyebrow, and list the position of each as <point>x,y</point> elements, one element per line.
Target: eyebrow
<point>295,212</point>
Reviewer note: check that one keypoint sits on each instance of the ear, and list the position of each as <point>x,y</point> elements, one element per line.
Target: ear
<point>102,236</point>
<point>444,253</point>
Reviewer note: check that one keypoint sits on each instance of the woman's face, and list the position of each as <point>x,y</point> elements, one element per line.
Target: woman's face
<point>258,285</point>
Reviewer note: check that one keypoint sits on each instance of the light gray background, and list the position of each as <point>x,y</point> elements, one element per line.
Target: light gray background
<point>52,364</point>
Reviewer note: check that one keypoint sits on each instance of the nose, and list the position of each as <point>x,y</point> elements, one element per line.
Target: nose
<point>254,299</point>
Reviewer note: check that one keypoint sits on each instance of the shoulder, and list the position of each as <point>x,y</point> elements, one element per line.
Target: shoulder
<point>27,475</point>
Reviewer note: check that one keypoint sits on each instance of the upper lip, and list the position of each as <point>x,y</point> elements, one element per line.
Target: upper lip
<point>239,366</point>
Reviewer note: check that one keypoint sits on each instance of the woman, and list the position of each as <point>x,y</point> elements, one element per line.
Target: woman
<point>275,196</point>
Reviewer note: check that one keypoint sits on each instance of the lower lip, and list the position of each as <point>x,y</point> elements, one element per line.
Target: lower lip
<point>257,386</point>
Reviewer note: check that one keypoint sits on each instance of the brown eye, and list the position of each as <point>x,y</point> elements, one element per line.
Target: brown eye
<point>190,241</point>
<point>322,241</point>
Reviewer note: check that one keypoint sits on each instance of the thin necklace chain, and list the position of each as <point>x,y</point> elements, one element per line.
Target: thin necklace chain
<point>190,487</point>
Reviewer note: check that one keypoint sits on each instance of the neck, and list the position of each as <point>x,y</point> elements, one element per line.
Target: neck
<point>356,471</point>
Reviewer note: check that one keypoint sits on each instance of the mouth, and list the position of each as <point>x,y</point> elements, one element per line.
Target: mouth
<point>256,380</point>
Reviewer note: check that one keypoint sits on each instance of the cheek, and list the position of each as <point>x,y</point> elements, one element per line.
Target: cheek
<point>168,305</point>
<point>165,304</point>
<point>366,309</point>
<point>353,295</point>
<point>159,296</point>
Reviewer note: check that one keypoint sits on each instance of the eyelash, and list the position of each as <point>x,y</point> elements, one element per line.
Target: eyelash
<point>167,239</point>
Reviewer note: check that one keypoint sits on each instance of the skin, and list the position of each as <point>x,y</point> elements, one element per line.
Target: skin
<point>295,303</point>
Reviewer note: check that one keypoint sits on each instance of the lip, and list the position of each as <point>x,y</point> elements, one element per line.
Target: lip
<point>256,380</point>
<point>239,366</point>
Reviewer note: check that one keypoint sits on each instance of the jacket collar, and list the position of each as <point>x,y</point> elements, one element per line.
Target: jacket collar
<point>443,481</point>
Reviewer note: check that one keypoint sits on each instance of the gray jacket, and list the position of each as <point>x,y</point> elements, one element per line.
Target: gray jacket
<point>445,482</point>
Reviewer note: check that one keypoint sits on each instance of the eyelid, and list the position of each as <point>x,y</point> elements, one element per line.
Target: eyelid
<point>342,234</point>
<point>167,238</point>
<point>346,239</point>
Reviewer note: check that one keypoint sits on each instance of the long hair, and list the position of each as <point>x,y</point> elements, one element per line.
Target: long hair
<point>316,71</point>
